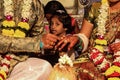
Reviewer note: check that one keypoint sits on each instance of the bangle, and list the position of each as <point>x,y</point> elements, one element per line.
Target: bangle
<point>84,40</point>
<point>79,46</point>
<point>41,44</point>
<point>41,47</point>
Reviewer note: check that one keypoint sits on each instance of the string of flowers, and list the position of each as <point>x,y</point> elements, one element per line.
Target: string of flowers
<point>102,18</point>
<point>96,54</point>
<point>23,26</point>
<point>8,25</point>
<point>65,60</point>
<point>5,66</point>
<point>10,29</point>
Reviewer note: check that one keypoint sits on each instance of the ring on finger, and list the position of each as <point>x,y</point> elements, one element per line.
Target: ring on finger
<point>65,41</point>
<point>51,43</point>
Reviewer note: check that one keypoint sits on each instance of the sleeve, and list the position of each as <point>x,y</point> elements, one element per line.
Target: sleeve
<point>27,44</point>
<point>10,44</point>
<point>38,27</point>
<point>31,44</point>
<point>91,12</point>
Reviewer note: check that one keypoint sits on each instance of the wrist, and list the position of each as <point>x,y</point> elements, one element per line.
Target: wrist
<point>79,45</point>
<point>83,41</point>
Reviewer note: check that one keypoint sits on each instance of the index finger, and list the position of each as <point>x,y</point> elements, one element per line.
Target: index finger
<point>58,45</point>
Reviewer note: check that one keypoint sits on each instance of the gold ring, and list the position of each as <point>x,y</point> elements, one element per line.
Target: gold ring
<point>65,41</point>
<point>51,43</point>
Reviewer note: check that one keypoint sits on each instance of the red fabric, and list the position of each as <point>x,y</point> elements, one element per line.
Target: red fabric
<point>73,21</point>
<point>73,24</point>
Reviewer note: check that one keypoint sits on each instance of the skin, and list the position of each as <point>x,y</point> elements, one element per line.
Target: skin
<point>49,40</point>
<point>86,28</point>
<point>48,16</point>
<point>57,27</point>
<point>114,0</point>
<point>114,5</point>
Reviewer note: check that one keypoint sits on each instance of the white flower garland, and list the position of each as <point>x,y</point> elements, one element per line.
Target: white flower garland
<point>8,6</point>
<point>26,9</point>
<point>65,60</point>
<point>114,69</point>
<point>102,18</point>
<point>100,59</point>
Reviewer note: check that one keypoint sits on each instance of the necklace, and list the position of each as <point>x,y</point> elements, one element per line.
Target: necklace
<point>8,25</point>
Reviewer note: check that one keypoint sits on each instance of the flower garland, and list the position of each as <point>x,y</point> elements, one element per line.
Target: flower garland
<point>8,25</point>
<point>65,60</point>
<point>102,18</point>
<point>100,41</point>
<point>5,65</point>
<point>96,54</point>
<point>9,29</point>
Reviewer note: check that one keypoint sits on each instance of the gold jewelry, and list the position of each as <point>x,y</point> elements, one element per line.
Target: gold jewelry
<point>51,43</point>
<point>65,41</point>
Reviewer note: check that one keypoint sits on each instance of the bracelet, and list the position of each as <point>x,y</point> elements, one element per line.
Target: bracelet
<point>41,47</point>
<point>79,45</point>
<point>41,44</point>
<point>84,40</point>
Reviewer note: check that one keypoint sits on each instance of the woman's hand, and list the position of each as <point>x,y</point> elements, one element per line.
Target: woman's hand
<point>115,47</point>
<point>49,40</point>
<point>69,40</point>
